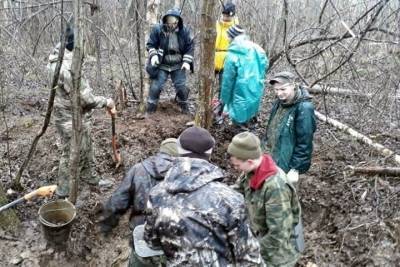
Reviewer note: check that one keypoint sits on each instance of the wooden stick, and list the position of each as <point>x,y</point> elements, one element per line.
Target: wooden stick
<point>390,171</point>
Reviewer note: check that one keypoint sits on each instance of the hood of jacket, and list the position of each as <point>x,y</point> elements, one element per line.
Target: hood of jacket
<point>240,45</point>
<point>67,59</point>
<point>157,166</point>
<point>189,174</point>
<point>176,12</point>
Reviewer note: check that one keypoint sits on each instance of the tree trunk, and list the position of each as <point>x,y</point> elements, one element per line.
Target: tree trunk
<point>151,19</point>
<point>360,137</point>
<point>390,171</point>
<point>206,79</point>
<point>76,70</point>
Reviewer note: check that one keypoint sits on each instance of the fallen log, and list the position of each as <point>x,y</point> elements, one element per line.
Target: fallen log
<point>326,89</point>
<point>389,171</point>
<point>360,137</point>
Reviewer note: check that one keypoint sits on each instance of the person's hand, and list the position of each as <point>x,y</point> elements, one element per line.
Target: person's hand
<point>154,60</point>
<point>293,176</point>
<point>185,66</point>
<point>111,107</point>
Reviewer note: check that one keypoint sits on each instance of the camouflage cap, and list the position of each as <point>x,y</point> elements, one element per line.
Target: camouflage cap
<point>142,249</point>
<point>283,77</point>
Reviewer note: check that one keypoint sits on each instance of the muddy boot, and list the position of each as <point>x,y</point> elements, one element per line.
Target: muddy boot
<point>184,107</point>
<point>151,108</point>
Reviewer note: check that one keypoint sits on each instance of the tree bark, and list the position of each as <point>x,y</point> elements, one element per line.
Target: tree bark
<point>76,71</point>
<point>206,76</point>
<point>151,18</point>
<point>360,137</point>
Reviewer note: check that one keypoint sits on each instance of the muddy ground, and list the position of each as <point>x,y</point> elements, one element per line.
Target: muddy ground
<point>349,220</point>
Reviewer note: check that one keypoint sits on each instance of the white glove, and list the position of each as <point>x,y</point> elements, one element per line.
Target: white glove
<point>110,103</point>
<point>185,66</point>
<point>292,176</point>
<point>154,60</point>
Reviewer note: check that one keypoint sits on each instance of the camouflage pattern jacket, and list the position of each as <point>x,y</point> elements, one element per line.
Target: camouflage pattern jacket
<point>199,221</point>
<point>62,102</point>
<point>134,190</point>
<point>274,212</point>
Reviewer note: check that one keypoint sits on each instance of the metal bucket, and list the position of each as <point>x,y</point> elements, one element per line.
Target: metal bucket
<point>56,218</point>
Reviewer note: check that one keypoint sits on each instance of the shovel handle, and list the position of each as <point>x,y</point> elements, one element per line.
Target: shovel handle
<point>44,191</point>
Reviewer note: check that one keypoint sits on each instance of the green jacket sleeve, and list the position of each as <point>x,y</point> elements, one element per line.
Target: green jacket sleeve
<point>88,99</point>
<point>279,222</point>
<point>304,131</point>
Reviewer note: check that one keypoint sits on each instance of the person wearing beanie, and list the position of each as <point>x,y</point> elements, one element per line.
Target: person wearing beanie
<point>228,18</point>
<point>272,201</point>
<point>133,193</point>
<point>243,79</point>
<point>194,218</point>
<point>171,51</point>
<point>291,125</point>
<point>62,115</point>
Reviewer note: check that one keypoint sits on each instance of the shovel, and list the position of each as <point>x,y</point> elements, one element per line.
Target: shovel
<point>115,144</point>
<point>44,191</point>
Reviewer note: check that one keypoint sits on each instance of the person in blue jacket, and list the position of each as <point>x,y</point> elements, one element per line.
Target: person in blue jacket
<point>171,47</point>
<point>243,78</point>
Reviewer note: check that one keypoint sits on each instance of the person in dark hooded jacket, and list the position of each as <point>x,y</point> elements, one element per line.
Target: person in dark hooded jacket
<point>291,126</point>
<point>134,189</point>
<point>133,193</point>
<point>171,49</point>
<point>195,218</point>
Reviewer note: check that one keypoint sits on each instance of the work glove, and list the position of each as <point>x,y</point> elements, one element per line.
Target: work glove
<point>154,60</point>
<point>293,176</point>
<point>111,106</point>
<point>185,66</point>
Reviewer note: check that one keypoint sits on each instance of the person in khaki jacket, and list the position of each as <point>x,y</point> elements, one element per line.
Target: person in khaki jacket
<point>63,117</point>
<point>271,200</point>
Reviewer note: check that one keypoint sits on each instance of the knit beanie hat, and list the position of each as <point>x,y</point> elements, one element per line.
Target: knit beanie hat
<point>169,146</point>
<point>195,142</point>
<point>229,9</point>
<point>245,145</point>
<point>234,31</point>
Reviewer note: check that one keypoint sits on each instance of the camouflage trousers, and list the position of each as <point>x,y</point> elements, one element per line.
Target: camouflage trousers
<point>137,261</point>
<point>87,160</point>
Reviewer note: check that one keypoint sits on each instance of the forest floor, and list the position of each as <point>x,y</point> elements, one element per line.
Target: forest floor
<point>348,220</point>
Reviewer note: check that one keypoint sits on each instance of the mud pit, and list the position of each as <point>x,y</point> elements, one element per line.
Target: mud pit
<point>349,221</point>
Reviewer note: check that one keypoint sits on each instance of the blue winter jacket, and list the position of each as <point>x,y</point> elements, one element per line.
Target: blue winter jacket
<point>243,79</point>
<point>157,44</point>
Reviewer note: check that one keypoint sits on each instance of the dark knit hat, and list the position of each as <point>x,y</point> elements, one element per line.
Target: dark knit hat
<point>229,9</point>
<point>245,145</point>
<point>170,147</point>
<point>283,77</point>
<point>234,31</point>
<point>195,142</point>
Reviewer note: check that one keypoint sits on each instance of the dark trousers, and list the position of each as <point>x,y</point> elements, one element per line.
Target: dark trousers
<point>178,78</point>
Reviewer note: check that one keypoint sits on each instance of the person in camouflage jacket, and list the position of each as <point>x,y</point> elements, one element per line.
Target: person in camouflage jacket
<point>195,218</point>
<point>133,193</point>
<point>63,117</point>
<point>272,201</point>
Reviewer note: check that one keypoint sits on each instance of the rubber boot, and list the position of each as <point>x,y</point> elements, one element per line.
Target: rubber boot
<point>151,108</point>
<point>184,107</point>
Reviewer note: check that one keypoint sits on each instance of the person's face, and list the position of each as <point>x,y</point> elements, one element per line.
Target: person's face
<point>245,166</point>
<point>284,92</point>
<point>227,18</point>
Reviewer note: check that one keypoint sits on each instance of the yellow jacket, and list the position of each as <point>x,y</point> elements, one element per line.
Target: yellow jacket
<point>222,42</point>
